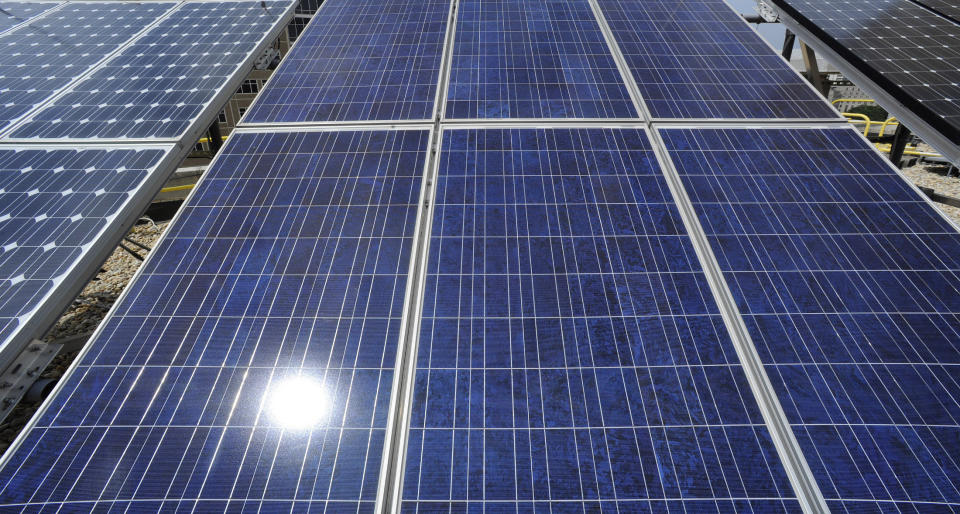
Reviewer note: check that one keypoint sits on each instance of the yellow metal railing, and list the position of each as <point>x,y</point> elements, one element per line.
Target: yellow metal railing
<point>890,123</point>
<point>185,187</point>
<point>171,189</point>
<point>855,118</point>
<point>909,150</point>
<point>207,139</point>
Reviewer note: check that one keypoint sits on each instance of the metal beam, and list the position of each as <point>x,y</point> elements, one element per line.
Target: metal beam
<point>813,69</point>
<point>899,144</point>
<point>788,39</point>
<point>214,137</point>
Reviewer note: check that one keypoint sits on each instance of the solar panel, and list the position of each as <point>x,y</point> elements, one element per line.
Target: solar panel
<point>698,59</point>
<point>249,365</point>
<point>533,59</point>
<point>947,8</point>
<point>162,83</point>
<point>57,206</point>
<point>15,13</point>
<point>908,51</point>
<point>39,59</point>
<point>360,60</point>
<point>571,356</point>
<point>848,282</point>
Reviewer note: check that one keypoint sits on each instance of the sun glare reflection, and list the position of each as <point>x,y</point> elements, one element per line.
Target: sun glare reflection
<point>298,402</point>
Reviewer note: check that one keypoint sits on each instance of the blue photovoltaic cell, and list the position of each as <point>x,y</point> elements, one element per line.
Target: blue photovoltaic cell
<point>360,60</point>
<point>571,356</point>
<point>54,205</point>
<point>698,59</point>
<point>533,59</point>
<point>158,86</point>
<point>15,13</point>
<point>38,59</point>
<point>250,364</point>
<point>848,282</point>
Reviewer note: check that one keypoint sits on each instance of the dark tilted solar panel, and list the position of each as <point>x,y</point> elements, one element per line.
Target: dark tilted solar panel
<point>158,86</point>
<point>56,207</point>
<point>947,8</point>
<point>250,363</point>
<point>910,52</point>
<point>698,59</point>
<point>849,283</point>
<point>38,59</point>
<point>360,60</point>
<point>533,59</point>
<point>15,13</point>
<point>571,356</point>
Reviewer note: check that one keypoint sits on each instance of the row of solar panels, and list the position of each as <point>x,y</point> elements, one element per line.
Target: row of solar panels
<point>552,62</point>
<point>904,53</point>
<point>99,101</point>
<point>523,317</point>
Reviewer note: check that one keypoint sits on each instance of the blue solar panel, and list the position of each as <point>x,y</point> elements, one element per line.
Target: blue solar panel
<point>360,60</point>
<point>42,58</point>
<point>848,282</point>
<point>158,86</point>
<point>54,206</point>
<point>533,59</point>
<point>15,13</point>
<point>571,356</point>
<point>250,364</point>
<point>698,59</point>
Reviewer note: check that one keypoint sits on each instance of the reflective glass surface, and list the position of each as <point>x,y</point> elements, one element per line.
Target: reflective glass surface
<point>571,357</point>
<point>698,59</point>
<point>533,59</point>
<point>907,49</point>
<point>249,366</point>
<point>158,86</point>
<point>55,205</point>
<point>41,58</point>
<point>849,283</point>
<point>360,60</point>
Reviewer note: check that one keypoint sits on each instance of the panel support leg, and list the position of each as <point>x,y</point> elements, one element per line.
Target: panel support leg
<point>813,70</point>
<point>213,134</point>
<point>788,39</point>
<point>899,144</point>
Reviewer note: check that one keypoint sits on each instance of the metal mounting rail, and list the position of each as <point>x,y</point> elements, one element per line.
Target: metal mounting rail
<point>390,484</point>
<point>798,471</point>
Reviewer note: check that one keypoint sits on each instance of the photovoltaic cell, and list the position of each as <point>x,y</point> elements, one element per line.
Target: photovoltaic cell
<point>158,86</point>
<point>571,356</point>
<point>698,59</point>
<point>249,366</point>
<point>909,51</point>
<point>360,60</point>
<point>54,206</point>
<point>533,59</point>
<point>848,282</point>
<point>39,59</point>
<point>15,13</point>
